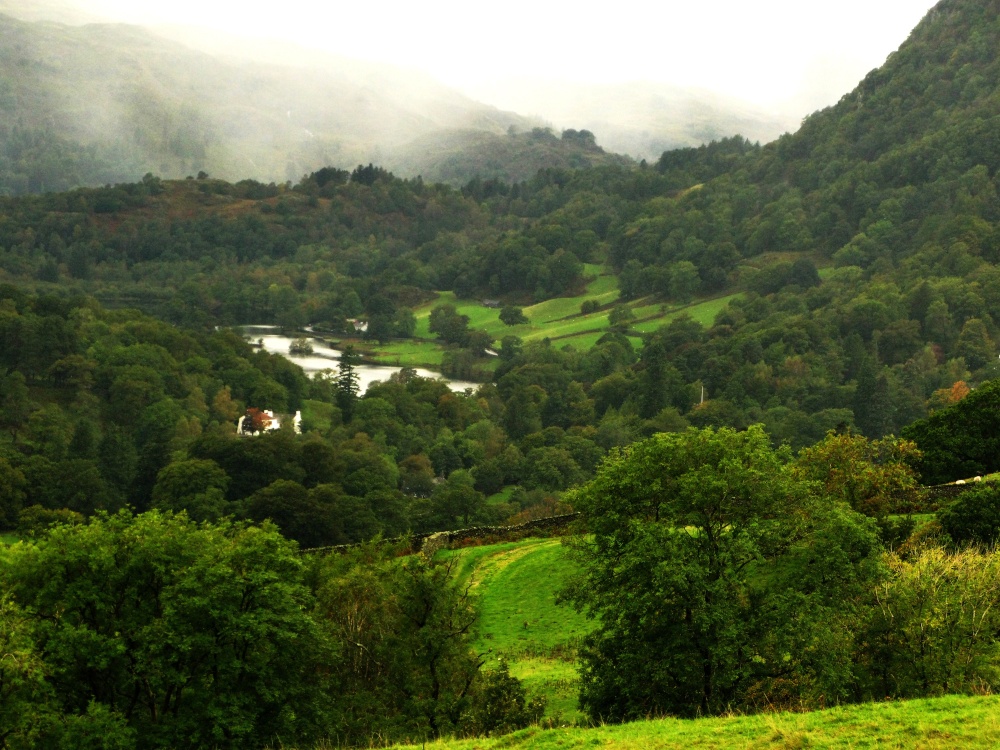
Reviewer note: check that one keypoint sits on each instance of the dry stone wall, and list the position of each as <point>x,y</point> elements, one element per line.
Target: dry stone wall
<point>428,544</point>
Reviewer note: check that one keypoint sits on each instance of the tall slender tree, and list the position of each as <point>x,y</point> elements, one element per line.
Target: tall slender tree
<point>348,389</point>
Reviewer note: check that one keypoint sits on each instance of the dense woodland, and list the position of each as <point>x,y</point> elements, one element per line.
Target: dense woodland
<point>159,599</point>
<point>891,194</point>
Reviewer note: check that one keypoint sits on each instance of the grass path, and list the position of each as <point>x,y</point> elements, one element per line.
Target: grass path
<point>520,621</point>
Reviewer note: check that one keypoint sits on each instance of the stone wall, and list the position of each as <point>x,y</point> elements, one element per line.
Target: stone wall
<point>931,498</point>
<point>428,544</point>
<point>942,494</point>
<point>539,527</point>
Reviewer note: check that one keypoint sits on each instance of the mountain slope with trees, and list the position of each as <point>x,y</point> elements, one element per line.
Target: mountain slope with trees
<point>740,515</point>
<point>859,256</point>
<point>100,103</point>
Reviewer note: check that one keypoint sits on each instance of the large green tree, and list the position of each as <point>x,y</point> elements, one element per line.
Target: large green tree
<point>347,389</point>
<point>193,635</point>
<point>962,440</point>
<point>716,577</point>
<point>406,668</point>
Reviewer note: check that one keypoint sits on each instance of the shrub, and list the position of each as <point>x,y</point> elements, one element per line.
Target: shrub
<point>974,518</point>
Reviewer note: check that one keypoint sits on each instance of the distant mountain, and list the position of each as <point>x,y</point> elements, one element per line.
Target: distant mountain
<point>108,102</point>
<point>472,139</point>
<point>455,156</point>
<point>98,103</point>
<point>59,11</point>
<point>641,119</point>
<point>852,269</point>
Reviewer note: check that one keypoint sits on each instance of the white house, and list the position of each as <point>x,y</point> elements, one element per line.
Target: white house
<point>271,422</point>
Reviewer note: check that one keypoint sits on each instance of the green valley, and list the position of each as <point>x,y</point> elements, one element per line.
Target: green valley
<point>763,381</point>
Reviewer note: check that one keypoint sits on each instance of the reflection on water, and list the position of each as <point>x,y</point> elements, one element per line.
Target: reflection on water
<point>325,358</point>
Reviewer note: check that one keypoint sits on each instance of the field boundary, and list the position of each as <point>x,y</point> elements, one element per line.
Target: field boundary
<point>431,542</point>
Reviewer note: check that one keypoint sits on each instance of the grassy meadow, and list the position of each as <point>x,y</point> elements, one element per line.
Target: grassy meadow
<point>516,584</point>
<point>558,320</point>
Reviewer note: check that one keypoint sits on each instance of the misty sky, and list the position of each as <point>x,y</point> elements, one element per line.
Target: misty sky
<point>767,52</point>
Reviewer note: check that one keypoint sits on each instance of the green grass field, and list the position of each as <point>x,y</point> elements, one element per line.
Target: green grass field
<point>558,320</point>
<point>704,312</point>
<point>409,353</point>
<point>502,496</point>
<point>516,584</point>
<point>971,723</point>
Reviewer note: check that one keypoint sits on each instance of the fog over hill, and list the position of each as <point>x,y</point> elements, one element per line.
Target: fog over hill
<point>109,102</point>
<point>251,92</point>
<point>642,118</point>
<point>91,103</point>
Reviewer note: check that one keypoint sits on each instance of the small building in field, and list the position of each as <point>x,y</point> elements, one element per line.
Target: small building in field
<point>258,421</point>
<point>360,326</point>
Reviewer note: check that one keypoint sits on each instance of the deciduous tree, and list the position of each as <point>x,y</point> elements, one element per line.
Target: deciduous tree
<point>716,577</point>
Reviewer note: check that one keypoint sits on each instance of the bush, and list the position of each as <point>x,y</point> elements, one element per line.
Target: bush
<point>512,316</point>
<point>974,518</point>
<point>209,624</point>
<point>35,519</point>
<point>500,705</point>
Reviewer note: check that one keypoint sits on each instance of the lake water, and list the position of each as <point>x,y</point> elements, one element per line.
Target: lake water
<point>326,358</point>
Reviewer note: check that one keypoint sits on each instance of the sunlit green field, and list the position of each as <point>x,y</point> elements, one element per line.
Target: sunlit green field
<point>558,320</point>
<point>520,621</point>
<point>409,353</point>
<point>703,312</point>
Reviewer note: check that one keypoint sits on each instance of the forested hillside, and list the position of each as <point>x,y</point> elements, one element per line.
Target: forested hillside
<point>863,249</point>
<point>760,321</point>
<point>107,409</point>
<point>860,298</point>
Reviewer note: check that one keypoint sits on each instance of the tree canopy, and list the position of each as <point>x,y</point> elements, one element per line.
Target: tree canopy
<point>716,578</point>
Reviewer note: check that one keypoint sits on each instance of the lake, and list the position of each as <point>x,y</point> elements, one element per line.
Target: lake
<point>326,358</point>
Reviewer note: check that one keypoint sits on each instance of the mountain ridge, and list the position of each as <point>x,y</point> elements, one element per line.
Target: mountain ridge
<point>96,103</point>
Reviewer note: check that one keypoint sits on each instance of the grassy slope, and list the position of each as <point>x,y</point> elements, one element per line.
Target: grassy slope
<point>516,583</point>
<point>930,724</point>
<point>556,319</point>
<point>520,620</point>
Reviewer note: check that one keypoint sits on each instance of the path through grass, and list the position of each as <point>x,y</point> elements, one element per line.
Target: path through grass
<point>520,621</point>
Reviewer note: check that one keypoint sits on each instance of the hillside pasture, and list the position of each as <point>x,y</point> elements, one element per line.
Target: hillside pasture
<point>520,621</point>
<point>559,320</point>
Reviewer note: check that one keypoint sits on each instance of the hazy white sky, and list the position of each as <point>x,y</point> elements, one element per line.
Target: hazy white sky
<point>765,51</point>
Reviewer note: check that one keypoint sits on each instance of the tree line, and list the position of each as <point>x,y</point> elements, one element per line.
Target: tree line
<point>154,631</point>
<point>726,575</point>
